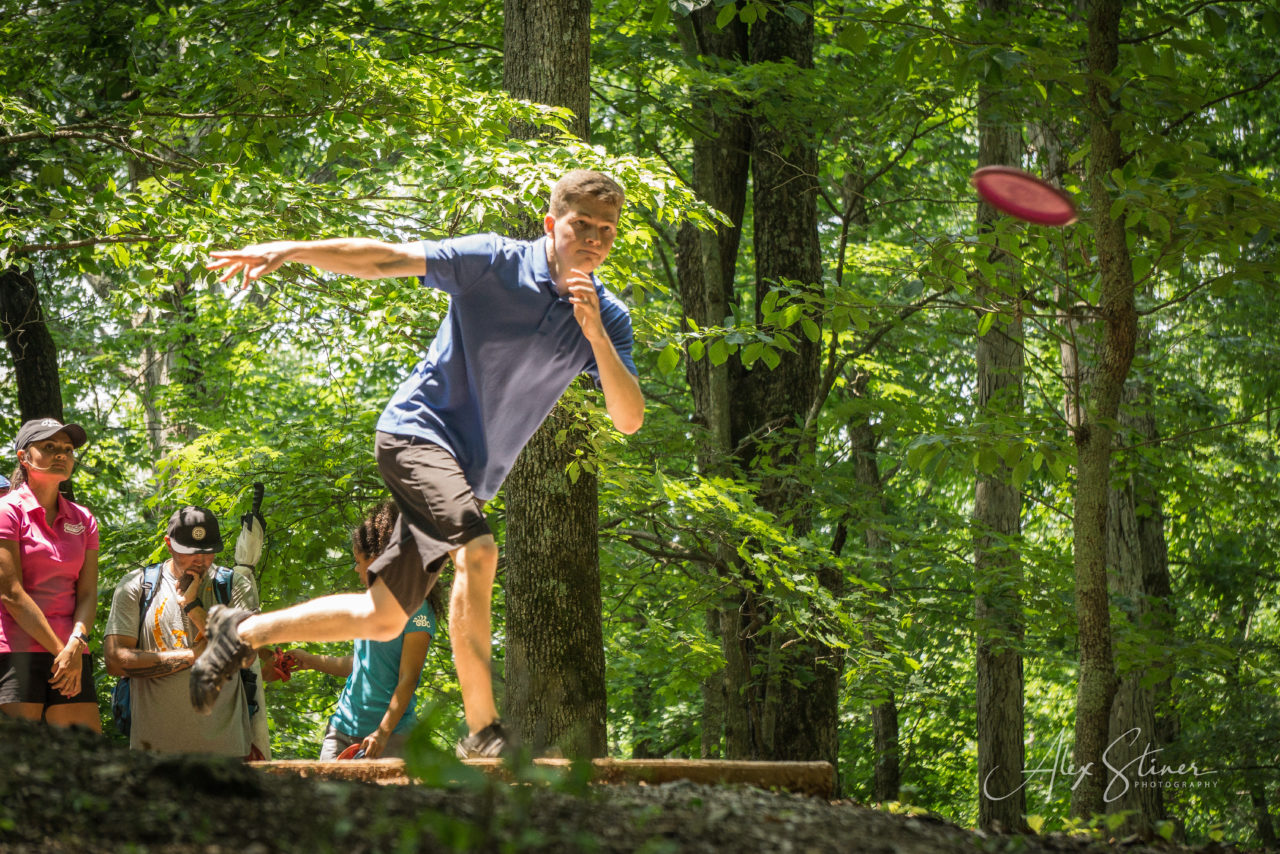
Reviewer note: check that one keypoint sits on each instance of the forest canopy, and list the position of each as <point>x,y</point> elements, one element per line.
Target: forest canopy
<point>906,465</point>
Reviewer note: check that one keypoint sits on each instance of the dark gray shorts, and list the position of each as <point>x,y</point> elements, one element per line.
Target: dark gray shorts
<point>24,678</point>
<point>438,513</point>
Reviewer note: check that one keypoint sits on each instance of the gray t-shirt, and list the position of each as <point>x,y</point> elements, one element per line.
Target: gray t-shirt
<point>163,719</point>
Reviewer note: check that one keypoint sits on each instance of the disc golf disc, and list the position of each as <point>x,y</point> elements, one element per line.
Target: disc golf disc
<point>1021,194</point>
<point>352,752</point>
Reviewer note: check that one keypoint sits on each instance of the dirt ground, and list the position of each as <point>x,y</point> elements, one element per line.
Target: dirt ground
<point>76,792</point>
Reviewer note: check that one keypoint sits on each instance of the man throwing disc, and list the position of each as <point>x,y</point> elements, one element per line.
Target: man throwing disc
<point>525,319</point>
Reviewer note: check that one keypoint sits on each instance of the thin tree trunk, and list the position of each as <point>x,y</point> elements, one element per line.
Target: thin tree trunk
<point>1093,439</point>
<point>887,778</point>
<point>997,507</point>
<point>1138,557</point>
<point>555,686</point>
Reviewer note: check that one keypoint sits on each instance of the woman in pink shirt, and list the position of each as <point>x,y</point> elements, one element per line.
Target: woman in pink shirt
<point>48,584</point>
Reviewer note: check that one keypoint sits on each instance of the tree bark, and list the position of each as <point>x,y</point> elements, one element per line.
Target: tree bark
<point>1093,439</point>
<point>1141,713</point>
<point>555,679</point>
<point>997,507</point>
<point>887,778</point>
<point>166,366</point>
<point>799,710</point>
<point>546,56</point>
<point>34,353</point>
<point>705,265</point>
<point>555,668</point>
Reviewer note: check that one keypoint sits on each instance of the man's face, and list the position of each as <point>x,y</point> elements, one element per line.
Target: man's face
<point>193,565</point>
<point>582,235</point>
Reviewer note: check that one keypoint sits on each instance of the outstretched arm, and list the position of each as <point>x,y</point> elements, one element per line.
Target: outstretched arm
<point>361,257</point>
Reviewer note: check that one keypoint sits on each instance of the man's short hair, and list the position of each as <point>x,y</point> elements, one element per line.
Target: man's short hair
<point>585,183</point>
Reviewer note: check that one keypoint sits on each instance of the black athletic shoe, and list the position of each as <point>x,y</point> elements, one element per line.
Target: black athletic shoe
<point>489,743</point>
<point>222,658</point>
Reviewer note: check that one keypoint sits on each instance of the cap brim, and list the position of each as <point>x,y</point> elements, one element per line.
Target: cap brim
<point>76,434</point>
<point>192,550</point>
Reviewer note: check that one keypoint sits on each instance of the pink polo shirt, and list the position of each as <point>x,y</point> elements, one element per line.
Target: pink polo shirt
<point>52,556</point>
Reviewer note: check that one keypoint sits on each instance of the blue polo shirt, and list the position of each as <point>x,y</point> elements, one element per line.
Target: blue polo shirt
<point>505,353</point>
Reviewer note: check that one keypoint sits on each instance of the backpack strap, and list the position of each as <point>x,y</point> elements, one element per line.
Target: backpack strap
<point>222,578</point>
<point>150,586</point>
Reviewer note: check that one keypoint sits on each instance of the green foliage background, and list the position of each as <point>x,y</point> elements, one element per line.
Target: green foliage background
<point>135,138</point>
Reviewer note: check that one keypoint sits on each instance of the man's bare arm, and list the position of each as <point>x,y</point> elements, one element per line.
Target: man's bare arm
<point>361,257</point>
<point>123,658</point>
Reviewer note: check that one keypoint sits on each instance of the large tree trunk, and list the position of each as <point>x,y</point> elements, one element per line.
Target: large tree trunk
<point>555,669</point>
<point>35,356</point>
<point>705,264</point>
<point>555,685</point>
<point>1093,438</point>
<point>997,507</point>
<point>34,353</point>
<point>797,714</point>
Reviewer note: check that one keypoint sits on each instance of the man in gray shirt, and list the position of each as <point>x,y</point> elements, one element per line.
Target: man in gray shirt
<point>155,652</point>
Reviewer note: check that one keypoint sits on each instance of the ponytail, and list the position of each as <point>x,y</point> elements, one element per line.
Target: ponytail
<point>372,536</point>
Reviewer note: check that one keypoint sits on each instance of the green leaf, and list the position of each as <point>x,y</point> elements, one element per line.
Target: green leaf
<point>726,15</point>
<point>669,358</point>
<point>985,323</point>
<point>719,352</point>
<point>661,14</point>
<point>1022,471</point>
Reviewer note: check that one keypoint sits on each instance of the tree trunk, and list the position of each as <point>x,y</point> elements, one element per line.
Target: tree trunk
<point>799,707</point>
<point>1093,439</point>
<point>705,264</point>
<point>35,356</point>
<point>167,365</point>
<point>887,779</point>
<point>546,56</point>
<point>555,675</point>
<point>997,507</point>
<point>1137,552</point>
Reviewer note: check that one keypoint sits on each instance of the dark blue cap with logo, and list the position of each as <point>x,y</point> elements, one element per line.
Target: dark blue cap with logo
<point>194,531</point>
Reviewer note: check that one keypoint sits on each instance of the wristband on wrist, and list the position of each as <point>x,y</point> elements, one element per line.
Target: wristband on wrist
<point>82,636</point>
<point>191,606</point>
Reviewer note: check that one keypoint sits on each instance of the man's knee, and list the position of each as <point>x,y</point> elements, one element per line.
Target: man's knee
<point>478,557</point>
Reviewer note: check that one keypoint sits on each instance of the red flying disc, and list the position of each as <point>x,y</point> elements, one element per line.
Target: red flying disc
<point>352,752</point>
<point>1023,195</point>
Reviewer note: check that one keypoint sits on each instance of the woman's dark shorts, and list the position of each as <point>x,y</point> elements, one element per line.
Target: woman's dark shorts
<point>24,678</point>
<point>438,513</point>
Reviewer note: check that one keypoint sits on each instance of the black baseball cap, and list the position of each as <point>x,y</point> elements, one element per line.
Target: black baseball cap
<point>194,531</point>
<point>39,429</point>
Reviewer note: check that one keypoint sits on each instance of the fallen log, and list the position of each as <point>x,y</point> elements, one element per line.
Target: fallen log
<point>807,778</point>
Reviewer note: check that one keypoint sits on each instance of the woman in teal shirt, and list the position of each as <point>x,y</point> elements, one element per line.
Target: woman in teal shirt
<point>376,709</point>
